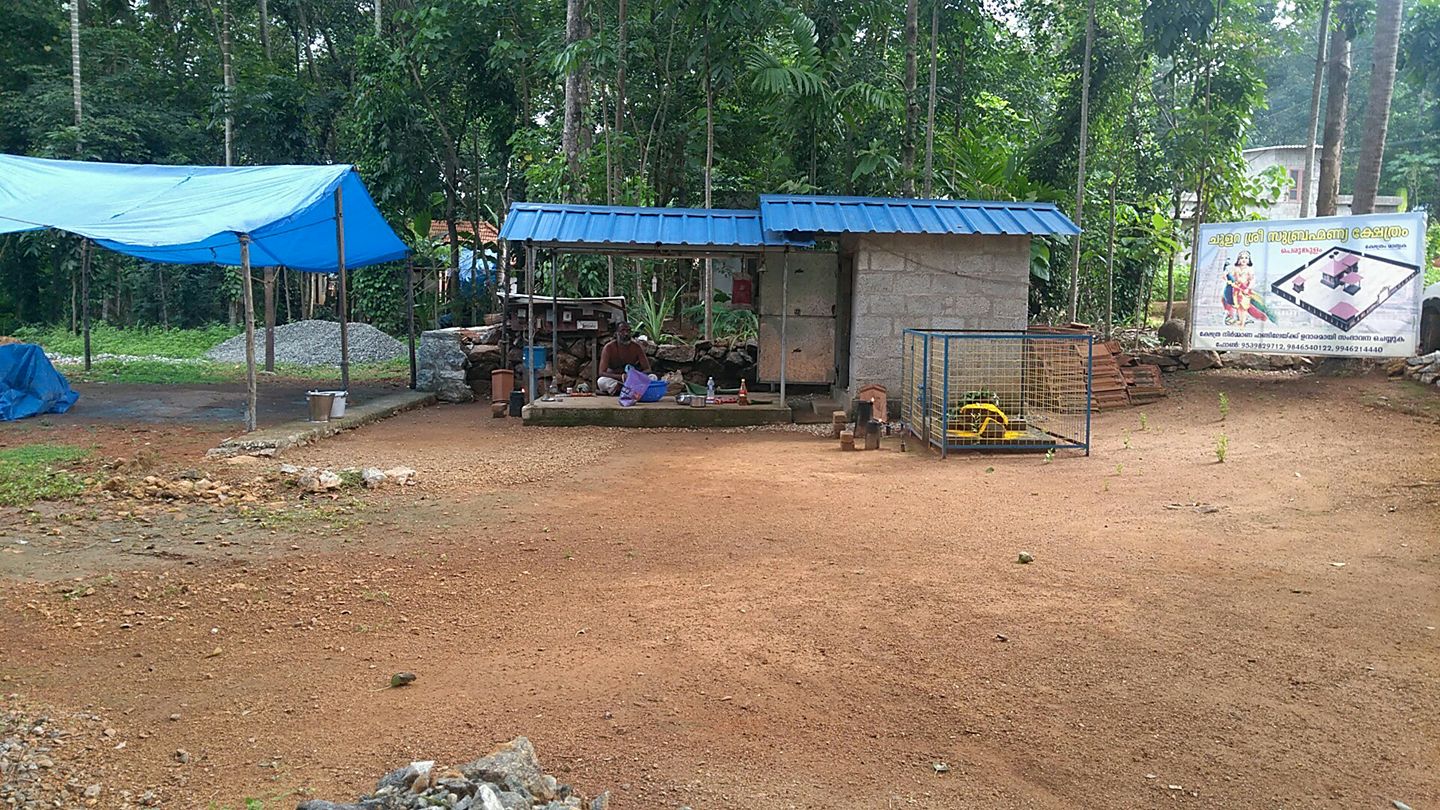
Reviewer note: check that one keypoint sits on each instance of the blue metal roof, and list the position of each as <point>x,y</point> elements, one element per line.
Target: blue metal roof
<point>807,214</point>
<point>602,227</point>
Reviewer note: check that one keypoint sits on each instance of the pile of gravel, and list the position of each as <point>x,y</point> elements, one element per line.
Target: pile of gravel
<point>510,778</point>
<point>314,343</point>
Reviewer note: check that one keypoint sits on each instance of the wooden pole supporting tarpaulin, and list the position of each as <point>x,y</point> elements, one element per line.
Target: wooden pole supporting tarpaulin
<point>248,295</point>
<point>340,269</point>
<point>410,313</point>
<point>85,251</point>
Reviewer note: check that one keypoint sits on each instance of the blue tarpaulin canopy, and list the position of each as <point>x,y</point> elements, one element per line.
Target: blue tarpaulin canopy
<point>194,214</point>
<point>313,218</point>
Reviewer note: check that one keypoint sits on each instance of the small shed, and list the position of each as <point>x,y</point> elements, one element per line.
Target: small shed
<point>854,272</point>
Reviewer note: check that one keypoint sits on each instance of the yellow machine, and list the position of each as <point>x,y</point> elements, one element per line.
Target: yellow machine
<point>981,421</point>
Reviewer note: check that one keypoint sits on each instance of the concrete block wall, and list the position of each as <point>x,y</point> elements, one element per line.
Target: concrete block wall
<point>907,281</point>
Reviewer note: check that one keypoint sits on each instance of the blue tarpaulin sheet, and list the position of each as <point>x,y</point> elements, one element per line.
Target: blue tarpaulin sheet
<point>29,385</point>
<point>195,214</point>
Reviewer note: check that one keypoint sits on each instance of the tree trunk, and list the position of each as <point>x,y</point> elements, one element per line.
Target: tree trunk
<point>75,72</point>
<point>930,114</point>
<point>618,165</point>
<point>265,28</point>
<point>912,104</point>
<point>1327,198</point>
<point>1377,107</point>
<point>1314,122</point>
<point>1080,163</point>
<point>377,18</point>
<point>1170,272</point>
<point>228,76</point>
<point>706,294</point>
<point>574,104</point>
<point>269,318</point>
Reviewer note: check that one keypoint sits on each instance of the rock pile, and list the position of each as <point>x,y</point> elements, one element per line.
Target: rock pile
<point>193,487</point>
<point>456,363</point>
<point>508,779</point>
<point>37,771</point>
<point>315,479</point>
<point>1176,358</point>
<point>314,343</point>
<point>1424,369</point>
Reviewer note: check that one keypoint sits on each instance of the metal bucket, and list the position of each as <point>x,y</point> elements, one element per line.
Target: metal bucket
<point>320,404</point>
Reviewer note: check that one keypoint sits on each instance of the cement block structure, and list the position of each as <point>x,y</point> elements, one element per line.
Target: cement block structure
<point>930,282</point>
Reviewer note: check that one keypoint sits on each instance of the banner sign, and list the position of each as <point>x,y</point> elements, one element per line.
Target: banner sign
<point>1343,286</point>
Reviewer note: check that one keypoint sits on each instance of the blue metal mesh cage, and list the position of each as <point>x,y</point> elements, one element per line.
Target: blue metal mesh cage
<point>997,390</point>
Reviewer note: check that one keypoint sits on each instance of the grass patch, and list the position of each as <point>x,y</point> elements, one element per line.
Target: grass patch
<point>198,372</point>
<point>147,340</point>
<point>36,472</point>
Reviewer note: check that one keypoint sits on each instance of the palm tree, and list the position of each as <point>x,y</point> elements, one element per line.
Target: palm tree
<point>1080,167</point>
<point>1336,104</point>
<point>1377,109</point>
<point>1314,111</point>
<point>75,68</point>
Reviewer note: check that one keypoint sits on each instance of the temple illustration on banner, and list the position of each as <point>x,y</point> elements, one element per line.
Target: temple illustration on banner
<point>1342,287</point>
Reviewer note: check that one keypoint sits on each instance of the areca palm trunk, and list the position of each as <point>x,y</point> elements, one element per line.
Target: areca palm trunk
<point>1072,312</point>
<point>912,104</point>
<point>1327,198</point>
<point>1377,109</point>
<point>1314,122</point>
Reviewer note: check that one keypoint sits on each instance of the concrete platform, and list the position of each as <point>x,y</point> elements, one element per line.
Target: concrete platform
<point>273,440</point>
<point>606,411</point>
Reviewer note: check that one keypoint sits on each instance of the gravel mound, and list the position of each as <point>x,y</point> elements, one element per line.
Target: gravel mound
<point>314,343</point>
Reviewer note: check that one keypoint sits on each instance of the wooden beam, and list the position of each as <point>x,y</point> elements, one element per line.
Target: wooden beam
<point>344,297</point>
<point>248,295</point>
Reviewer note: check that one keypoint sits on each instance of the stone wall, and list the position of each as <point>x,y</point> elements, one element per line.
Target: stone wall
<point>905,281</point>
<point>456,363</point>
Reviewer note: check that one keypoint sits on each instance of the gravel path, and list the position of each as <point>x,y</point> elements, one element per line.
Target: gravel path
<point>314,343</point>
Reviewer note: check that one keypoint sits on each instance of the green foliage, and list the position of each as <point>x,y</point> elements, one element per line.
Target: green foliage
<point>1222,448</point>
<point>39,472</point>
<point>139,341</point>
<point>1224,405</point>
<point>1432,251</point>
<point>726,323</point>
<point>649,315</point>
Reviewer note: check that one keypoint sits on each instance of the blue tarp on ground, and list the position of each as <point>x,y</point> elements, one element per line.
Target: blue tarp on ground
<point>29,385</point>
<point>194,214</point>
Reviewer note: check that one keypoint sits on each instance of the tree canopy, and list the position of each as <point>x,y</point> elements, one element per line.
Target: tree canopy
<point>454,108</point>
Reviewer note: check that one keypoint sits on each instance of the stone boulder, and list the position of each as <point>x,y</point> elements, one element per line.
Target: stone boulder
<point>1200,359</point>
<point>514,767</point>
<point>676,353</point>
<point>1172,331</point>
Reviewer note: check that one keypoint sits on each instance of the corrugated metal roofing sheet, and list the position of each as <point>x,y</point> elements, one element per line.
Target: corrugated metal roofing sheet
<point>600,226</point>
<point>797,214</point>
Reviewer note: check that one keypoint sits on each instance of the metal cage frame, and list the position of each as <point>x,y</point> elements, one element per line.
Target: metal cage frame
<point>928,405</point>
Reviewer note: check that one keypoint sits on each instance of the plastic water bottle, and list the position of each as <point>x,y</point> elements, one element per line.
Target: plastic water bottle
<point>710,392</point>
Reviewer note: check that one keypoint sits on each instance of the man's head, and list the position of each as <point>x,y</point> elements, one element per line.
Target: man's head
<point>622,333</point>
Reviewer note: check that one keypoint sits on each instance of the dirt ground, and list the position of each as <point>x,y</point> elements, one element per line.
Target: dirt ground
<point>753,619</point>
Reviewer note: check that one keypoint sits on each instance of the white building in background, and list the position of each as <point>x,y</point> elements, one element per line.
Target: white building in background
<point>1291,157</point>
